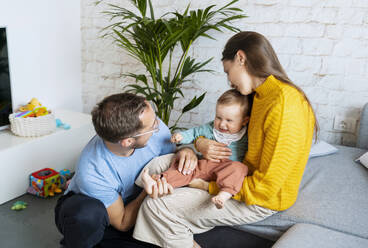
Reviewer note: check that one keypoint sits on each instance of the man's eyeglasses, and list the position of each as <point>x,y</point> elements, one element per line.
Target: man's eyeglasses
<point>155,128</point>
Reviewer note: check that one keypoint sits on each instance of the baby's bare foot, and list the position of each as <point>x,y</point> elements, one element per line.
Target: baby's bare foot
<point>220,199</point>
<point>199,184</point>
<point>148,181</point>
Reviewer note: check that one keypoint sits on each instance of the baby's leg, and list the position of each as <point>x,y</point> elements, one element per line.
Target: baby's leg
<point>230,176</point>
<point>203,175</point>
<point>161,166</point>
<point>220,199</point>
<point>156,166</point>
<point>199,183</point>
<point>176,179</point>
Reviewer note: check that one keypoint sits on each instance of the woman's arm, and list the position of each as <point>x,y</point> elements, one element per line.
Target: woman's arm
<point>288,133</point>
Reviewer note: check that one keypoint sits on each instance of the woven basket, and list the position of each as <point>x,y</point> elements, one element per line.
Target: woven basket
<point>32,126</point>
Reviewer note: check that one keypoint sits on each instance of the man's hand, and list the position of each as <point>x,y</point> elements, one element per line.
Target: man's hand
<point>161,188</point>
<point>187,160</point>
<point>213,150</point>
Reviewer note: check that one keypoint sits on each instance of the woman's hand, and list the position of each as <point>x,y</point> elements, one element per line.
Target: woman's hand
<point>212,150</point>
<point>187,160</point>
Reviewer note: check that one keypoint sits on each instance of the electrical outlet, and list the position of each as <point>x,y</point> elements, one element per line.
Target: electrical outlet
<point>344,124</point>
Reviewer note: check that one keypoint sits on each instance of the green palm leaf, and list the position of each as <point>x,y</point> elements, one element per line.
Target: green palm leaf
<point>152,41</point>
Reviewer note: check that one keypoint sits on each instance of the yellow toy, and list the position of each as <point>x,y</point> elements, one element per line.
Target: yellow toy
<point>40,111</point>
<point>54,189</point>
<point>31,105</point>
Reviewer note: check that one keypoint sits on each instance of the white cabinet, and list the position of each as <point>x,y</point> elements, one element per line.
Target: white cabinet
<point>20,156</point>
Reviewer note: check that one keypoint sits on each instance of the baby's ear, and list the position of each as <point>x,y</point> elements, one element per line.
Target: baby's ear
<point>246,120</point>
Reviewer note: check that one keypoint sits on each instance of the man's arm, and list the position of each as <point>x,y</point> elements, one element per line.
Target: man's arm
<point>123,218</point>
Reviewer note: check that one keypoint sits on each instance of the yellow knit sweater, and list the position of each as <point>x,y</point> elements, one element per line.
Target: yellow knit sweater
<point>280,135</point>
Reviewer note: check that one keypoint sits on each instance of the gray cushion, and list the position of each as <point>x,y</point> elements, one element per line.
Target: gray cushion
<point>311,236</point>
<point>333,194</point>
<point>363,129</point>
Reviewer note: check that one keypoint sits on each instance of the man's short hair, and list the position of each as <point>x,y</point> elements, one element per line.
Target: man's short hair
<point>117,116</point>
<point>235,97</point>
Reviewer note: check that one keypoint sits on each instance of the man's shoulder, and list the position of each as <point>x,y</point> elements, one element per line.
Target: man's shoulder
<point>93,154</point>
<point>94,148</point>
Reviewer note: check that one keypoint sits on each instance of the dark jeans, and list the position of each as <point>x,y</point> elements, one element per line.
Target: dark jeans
<point>84,222</point>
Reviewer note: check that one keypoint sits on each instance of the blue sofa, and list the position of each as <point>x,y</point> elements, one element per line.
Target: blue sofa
<point>331,209</point>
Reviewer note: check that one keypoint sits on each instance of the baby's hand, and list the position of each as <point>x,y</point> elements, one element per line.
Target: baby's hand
<point>176,138</point>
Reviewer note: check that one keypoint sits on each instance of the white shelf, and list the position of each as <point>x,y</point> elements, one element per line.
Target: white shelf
<point>75,120</point>
<point>20,156</point>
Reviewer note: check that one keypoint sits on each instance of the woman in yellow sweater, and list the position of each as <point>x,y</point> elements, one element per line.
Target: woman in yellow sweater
<point>280,135</point>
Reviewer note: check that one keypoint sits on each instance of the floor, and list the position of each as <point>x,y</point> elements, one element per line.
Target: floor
<point>34,227</point>
<point>31,227</point>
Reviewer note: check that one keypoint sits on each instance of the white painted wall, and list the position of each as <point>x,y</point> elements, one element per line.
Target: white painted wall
<point>44,51</point>
<point>323,46</point>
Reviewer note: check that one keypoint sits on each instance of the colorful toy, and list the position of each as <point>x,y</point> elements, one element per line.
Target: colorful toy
<point>24,114</point>
<point>32,109</point>
<point>31,105</point>
<point>40,111</point>
<point>60,124</point>
<point>54,189</point>
<point>44,183</point>
<point>65,175</point>
<point>19,205</point>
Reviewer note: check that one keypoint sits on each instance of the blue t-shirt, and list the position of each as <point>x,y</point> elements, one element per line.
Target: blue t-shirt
<point>103,175</point>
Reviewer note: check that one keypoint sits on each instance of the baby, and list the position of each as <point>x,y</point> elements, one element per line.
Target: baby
<point>229,127</point>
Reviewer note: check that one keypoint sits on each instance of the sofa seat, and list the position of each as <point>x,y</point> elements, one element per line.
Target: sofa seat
<point>312,236</point>
<point>333,196</point>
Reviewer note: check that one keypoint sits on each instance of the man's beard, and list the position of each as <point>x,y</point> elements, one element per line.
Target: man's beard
<point>138,145</point>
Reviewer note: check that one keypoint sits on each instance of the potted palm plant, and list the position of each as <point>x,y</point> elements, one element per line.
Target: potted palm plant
<point>152,41</point>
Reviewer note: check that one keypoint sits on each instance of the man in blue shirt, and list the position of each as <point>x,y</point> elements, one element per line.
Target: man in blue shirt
<point>101,203</point>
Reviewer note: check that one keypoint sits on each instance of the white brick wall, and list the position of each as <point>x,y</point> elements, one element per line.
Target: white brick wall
<point>323,46</point>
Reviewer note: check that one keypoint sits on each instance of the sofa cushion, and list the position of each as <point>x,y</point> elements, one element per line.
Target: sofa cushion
<point>321,148</point>
<point>311,236</point>
<point>363,159</point>
<point>332,194</point>
<point>362,141</point>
